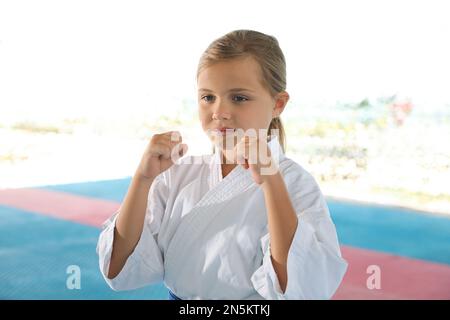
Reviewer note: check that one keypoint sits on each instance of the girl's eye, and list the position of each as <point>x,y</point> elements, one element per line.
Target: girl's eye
<point>208,98</point>
<point>240,98</point>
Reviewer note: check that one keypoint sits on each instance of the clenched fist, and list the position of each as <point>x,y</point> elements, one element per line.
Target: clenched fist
<point>160,154</point>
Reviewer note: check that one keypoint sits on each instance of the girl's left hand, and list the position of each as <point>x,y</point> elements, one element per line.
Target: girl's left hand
<point>254,154</point>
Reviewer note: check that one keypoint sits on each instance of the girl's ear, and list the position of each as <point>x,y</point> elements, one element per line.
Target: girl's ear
<point>281,99</point>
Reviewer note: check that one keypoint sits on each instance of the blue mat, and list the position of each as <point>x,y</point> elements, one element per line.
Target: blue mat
<point>35,252</point>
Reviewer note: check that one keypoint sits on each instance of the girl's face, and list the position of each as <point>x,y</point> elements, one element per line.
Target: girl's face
<point>231,96</point>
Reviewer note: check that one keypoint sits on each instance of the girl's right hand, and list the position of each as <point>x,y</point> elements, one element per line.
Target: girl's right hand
<point>160,154</point>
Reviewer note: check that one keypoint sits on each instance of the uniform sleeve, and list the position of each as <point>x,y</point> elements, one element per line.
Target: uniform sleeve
<point>315,267</point>
<point>145,264</point>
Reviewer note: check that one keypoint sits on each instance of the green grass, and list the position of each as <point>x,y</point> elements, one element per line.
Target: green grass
<point>33,127</point>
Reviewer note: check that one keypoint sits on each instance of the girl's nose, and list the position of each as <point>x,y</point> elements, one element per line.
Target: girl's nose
<point>221,116</point>
<point>221,112</point>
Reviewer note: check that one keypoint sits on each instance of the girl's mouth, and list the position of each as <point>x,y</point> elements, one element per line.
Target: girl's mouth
<point>224,131</point>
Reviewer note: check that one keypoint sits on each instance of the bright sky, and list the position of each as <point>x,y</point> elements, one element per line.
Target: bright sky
<point>115,57</point>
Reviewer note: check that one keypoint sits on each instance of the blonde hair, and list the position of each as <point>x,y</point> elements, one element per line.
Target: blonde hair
<point>265,50</point>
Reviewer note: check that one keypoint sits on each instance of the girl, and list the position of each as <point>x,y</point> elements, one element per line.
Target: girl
<point>243,223</point>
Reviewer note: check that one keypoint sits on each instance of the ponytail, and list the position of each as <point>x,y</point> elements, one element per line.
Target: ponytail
<point>281,135</point>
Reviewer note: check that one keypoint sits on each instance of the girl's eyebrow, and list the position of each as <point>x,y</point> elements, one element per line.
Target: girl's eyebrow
<point>231,90</point>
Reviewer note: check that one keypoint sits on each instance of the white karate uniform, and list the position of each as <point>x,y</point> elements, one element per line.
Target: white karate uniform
<point>207,237</point>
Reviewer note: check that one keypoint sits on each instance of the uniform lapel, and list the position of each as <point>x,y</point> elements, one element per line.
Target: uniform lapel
<point>221,191</point>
